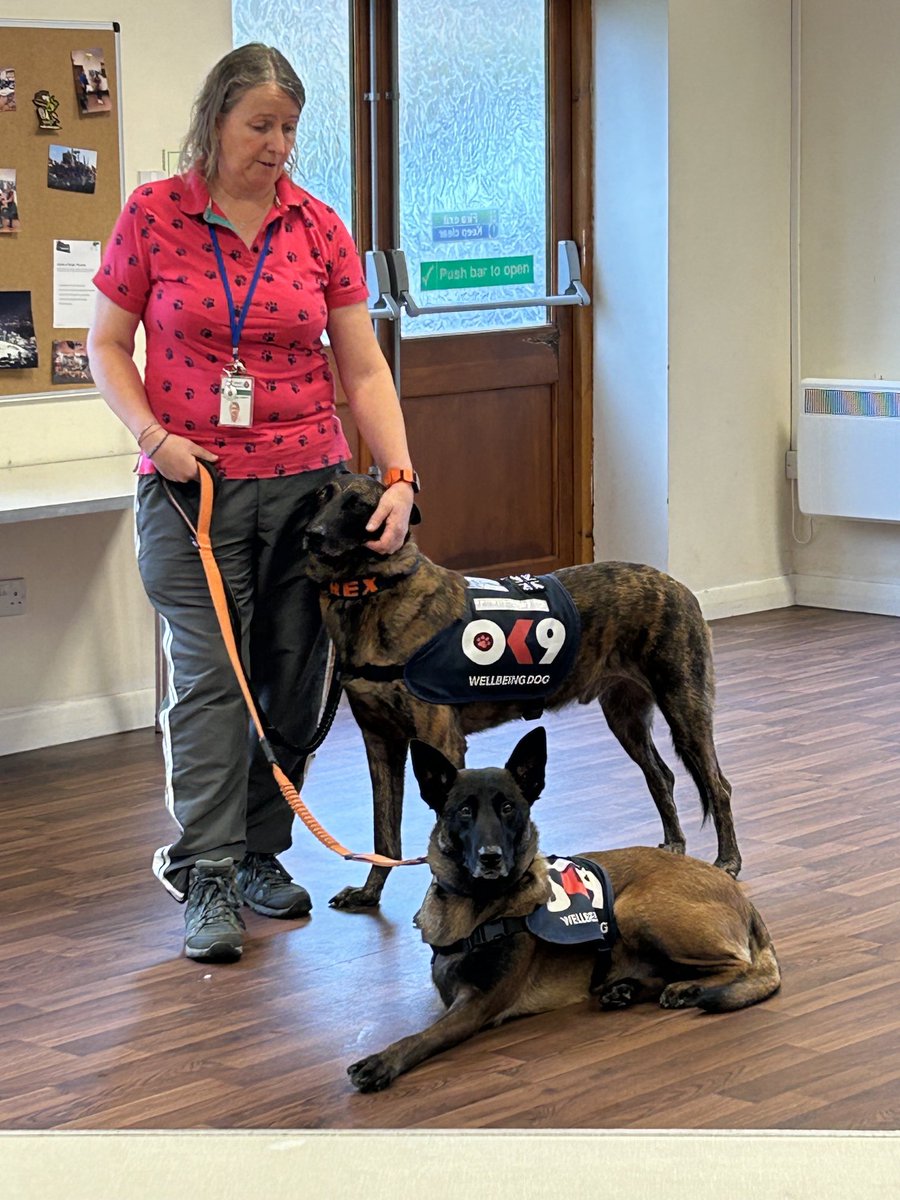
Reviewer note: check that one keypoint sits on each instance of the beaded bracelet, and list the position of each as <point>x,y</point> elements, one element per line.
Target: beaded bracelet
<point>150,453</point>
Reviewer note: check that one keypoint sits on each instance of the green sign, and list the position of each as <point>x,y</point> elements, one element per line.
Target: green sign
<point>477,272</point>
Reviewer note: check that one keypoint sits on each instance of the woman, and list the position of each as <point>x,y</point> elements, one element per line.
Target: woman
<point>235,272</point>
<point>9,209</point>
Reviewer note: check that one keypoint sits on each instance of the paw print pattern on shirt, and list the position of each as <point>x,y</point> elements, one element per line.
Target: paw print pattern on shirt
<point>159,264</point>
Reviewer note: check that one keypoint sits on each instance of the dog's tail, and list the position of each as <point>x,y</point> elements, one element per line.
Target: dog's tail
<point>761,978</point>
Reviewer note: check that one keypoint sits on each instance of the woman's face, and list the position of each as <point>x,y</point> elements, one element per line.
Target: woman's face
<point>256,138</point>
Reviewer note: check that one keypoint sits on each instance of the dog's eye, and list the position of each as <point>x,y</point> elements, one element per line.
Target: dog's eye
<point>507,808</point>
<point>464,811</point>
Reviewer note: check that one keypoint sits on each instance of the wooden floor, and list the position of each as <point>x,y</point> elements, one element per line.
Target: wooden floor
<point>104,1025</point>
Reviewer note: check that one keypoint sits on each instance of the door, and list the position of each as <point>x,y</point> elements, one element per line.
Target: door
<point>467,123</point>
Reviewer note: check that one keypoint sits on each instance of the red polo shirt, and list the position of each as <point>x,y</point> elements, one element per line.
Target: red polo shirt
<point>160,264</point>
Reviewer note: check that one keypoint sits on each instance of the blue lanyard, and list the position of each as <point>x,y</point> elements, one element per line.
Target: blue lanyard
<point>237,322</point>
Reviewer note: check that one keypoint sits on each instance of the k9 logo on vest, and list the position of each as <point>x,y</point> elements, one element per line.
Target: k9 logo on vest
<point>517,640</point>
<point>580,908</point>
<point>483,641</point>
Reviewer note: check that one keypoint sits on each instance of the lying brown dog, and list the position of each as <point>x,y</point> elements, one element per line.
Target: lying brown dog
<point>687,934</point>
<point>643,642</point>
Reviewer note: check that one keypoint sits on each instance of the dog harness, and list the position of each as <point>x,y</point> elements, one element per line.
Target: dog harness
<point>580,909</point>
<point>517,640</point>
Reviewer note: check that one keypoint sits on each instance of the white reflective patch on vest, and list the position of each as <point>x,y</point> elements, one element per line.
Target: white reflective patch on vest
<point>476,583</point>
<point>489,604</point>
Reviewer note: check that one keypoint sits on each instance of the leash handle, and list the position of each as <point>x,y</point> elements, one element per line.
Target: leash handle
<point>220,604</point>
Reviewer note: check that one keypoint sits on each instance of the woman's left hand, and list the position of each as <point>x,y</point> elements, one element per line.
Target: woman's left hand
<point>393,512</point>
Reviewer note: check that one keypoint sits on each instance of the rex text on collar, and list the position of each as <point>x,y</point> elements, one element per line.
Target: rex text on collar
<point>365,586</point>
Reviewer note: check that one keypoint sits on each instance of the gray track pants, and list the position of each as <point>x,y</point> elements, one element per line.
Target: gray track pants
<point>219,787</point>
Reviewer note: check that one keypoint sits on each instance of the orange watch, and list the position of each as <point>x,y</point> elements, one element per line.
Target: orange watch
<point>400,475</point>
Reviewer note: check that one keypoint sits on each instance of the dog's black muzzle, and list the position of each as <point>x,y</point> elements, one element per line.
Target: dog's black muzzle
<point>488,862</point>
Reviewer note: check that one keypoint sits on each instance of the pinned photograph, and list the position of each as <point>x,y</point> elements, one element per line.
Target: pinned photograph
<point>7,90</point>
<point>9,204</point>
<point>72,170</point>
<point>70,362</point>
<point>91,83</point>
<point>46,106</point>
<point>18,345</point>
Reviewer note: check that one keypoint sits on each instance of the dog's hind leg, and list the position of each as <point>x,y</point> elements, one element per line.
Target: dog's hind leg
<point>387,760</point>
<point>629,713</point>
<point>693,741</point>
<point>629,981</point>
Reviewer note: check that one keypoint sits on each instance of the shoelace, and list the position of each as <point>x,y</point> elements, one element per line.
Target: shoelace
<point>218,898</point>
<point>266,869</point>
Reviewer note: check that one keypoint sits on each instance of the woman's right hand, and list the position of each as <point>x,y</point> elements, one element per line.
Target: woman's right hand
<point>111,347</point>
<point>176,458</point>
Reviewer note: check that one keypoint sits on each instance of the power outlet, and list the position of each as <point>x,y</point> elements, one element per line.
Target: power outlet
<point>12,597</point>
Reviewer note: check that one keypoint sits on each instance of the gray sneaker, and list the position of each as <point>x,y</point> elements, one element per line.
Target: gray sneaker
<point>269,889</point>
<point>212,920</point>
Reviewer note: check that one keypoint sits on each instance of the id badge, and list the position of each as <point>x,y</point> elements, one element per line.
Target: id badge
<point>236,400</point>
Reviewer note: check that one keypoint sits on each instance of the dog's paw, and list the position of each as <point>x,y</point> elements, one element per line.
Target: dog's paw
<point>355,897</point>
<point>618,995</point>
<point>732,866</point>
<point>673,847</point>
<point>372,1074</point>
<point>681,995</point>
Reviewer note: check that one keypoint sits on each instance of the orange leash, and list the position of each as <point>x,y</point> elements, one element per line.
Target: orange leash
<point>220,604</point>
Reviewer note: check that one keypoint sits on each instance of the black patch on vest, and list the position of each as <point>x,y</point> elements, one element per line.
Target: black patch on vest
<point>517,640</point>
<point>580,908</point>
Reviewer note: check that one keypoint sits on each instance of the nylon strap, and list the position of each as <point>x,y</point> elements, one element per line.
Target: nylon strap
<point>220,604</point>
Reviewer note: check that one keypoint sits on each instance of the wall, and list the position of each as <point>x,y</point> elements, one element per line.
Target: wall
<point>80,661</point>
<point>729,300</point>
<point>630,298</point>
<point>692,353</point>
<point>849,294</point>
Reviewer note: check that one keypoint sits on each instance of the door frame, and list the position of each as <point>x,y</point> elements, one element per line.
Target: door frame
<point>374,115</point>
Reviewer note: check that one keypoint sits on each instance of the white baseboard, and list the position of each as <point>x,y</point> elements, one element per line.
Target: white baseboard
<point>757,595</point>
<point>74,720</point>
<point>851,595</point>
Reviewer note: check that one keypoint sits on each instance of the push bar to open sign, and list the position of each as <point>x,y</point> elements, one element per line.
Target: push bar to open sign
<point>389,292</point>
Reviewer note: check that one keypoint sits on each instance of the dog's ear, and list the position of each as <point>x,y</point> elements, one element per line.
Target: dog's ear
<point>309,506</point>
<point>527,763</point>
<point>435,773</point>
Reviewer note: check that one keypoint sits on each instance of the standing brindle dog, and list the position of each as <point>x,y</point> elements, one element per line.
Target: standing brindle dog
<point>687,935</point>
<point>644,642</point>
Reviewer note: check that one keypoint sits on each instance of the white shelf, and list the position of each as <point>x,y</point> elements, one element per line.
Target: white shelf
<point>67,488</point>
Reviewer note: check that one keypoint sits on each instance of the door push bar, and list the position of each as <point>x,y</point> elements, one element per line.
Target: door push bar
<point>378,281</point>
<point>390,267</point>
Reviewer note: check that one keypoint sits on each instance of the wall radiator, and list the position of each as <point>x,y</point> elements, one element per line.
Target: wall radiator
<point>848,448</point>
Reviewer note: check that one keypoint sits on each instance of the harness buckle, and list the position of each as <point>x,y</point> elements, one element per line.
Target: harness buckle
<point>490,931</point>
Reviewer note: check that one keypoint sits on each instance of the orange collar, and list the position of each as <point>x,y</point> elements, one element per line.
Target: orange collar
<point>353,589</point>
<point>363,586</point>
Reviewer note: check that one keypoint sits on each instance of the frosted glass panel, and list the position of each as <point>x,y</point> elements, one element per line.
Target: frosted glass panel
<point>473,203</point>
<point>314,35</point>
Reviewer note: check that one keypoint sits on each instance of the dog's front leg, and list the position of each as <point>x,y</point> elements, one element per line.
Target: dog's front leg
<point>387,760</point>
<point>470,1012</point>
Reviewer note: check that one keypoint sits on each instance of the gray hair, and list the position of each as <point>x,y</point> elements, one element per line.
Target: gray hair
<point>244,68</point>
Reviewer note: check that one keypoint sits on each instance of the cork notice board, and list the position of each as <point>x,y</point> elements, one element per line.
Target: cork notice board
<point>41,56</point>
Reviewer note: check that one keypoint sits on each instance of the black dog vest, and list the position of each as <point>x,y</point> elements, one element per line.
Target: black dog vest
<point>580,909</point>
<point>516,641</point>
